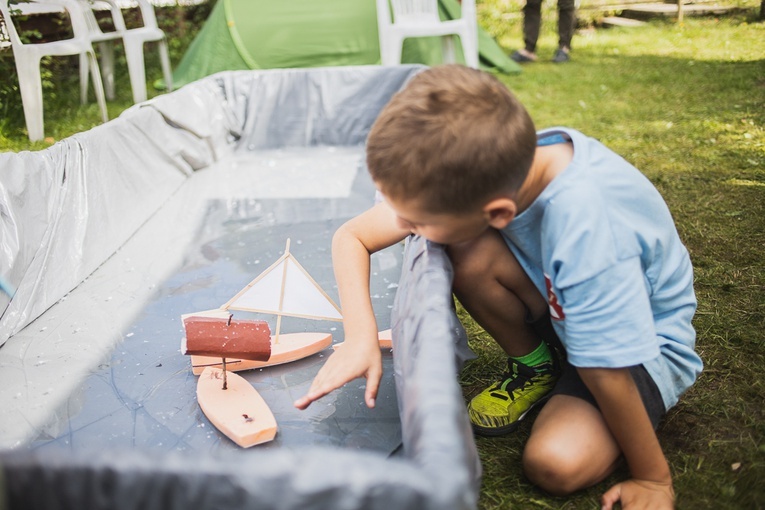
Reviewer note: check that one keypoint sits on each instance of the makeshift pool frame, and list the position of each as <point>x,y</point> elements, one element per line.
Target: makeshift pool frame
<point>438,467</point>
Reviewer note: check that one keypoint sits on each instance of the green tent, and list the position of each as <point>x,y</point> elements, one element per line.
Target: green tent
<point>265,34</point>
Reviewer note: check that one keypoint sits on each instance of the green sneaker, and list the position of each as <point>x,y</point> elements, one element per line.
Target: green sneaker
<point>498,409</point>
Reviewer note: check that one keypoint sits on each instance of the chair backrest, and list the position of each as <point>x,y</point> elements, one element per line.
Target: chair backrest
<point>77,15</point>
<point>5,38</point>
<point>8,9</point>
<point>7,24</point>
<point>79,26</point>
<point>415,11</point>
<point>24,9</point>
<point>86,7</point>
<point>420,18</point>
<point>147,14</point>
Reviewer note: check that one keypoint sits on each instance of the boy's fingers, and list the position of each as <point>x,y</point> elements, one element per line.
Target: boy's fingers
<point>337,372</point>
<point>303,402</point>
<point>327,380</point>
<point>373,385</point>
<point>319,388</point>
<point>315,392</point>
<point>610,497</point>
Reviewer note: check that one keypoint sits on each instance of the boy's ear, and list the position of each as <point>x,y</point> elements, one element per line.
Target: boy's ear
<point>500,212</point>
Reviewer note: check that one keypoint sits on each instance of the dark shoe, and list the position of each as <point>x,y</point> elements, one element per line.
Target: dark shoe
<point>520,57</point>
<point>498,409</point>
<point>560,56</point>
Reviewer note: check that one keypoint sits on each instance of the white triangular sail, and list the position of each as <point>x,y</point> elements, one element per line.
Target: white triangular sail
<point>286,288</point>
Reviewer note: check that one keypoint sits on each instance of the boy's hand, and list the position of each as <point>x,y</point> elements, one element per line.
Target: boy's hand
<point>352,246</point>
<point>352,361</point>
<point>639,495</point>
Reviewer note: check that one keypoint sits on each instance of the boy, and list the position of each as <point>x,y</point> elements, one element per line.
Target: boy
<point>538,226</point>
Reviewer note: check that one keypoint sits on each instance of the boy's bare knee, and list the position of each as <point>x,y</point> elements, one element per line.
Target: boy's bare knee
<point>551,469</point>
<point>470,270</point>
<point>467,274</point>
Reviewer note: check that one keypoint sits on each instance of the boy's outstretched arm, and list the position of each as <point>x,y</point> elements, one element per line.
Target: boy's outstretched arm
<point>623,410</point>
<point>352,245</point>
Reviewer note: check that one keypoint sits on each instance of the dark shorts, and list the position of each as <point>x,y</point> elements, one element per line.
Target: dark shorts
<point>571,384</point>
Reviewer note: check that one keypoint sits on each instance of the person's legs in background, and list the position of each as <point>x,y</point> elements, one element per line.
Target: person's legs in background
<point>532,20</point>
<point>566,26</point>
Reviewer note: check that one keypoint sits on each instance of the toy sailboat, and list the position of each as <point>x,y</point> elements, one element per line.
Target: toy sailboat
<point>217,342</point>
<point>284,289</point>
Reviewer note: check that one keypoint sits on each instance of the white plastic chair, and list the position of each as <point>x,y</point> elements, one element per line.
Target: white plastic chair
<point>28,56</point>
<point>419,18</point>
<point>133,40</point>
<point>5,40</point>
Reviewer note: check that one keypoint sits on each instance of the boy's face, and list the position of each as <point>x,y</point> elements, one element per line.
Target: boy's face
<point>442,228</point>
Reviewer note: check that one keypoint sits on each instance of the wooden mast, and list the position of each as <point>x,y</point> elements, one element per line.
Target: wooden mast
<point>281,292</point>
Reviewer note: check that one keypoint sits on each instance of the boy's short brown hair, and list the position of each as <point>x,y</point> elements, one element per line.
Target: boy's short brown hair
<point>453,138</point>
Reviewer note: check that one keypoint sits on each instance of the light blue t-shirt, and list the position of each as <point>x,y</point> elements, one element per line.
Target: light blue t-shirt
<point>600,243</point>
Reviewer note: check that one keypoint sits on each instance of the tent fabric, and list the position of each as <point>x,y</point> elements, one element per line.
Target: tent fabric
<point>262,34</point>
<point>85,226</point>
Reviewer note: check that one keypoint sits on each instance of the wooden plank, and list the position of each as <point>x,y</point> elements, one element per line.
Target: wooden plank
<point>659,7</point>
<point>615,21</point>
<point>648,10</point>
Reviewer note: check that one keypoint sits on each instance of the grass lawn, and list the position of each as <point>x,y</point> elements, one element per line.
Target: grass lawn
<point>685,104</point>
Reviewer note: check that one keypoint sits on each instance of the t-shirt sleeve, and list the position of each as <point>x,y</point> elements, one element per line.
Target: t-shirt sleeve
<point>608,319</point>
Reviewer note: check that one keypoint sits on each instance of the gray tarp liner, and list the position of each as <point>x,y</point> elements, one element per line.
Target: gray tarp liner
<point>67,214</point>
